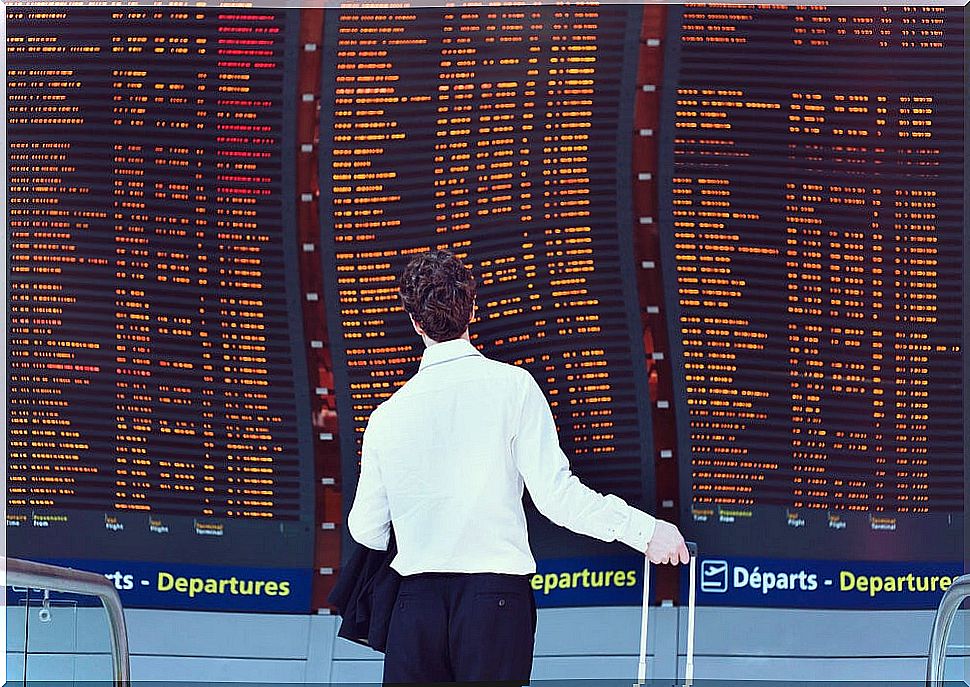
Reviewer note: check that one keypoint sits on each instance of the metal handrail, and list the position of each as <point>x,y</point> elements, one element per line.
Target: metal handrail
<point>945,612</point>
<point>42,576</point>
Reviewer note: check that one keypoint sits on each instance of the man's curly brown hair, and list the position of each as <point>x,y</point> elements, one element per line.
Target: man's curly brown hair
<point>438,291</point>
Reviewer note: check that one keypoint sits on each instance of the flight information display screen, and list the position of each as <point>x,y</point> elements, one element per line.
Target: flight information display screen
<point>158,416</point>
<point>808,164</point>
<point>812,218</point>
<point>503,134</point>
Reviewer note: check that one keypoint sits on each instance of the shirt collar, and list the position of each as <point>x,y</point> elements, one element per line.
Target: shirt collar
<point>446,351</point>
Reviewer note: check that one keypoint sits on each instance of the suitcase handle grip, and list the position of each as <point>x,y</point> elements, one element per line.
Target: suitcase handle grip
<point>692,548</point>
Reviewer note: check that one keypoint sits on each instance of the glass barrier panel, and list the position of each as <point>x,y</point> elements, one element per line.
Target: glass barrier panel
<point>956,668</point>
<point>51,637</point>
<point>16,635</point>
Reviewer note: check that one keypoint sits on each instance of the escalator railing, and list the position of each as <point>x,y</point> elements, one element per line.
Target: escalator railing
<point>945,613</point>
<point>51,577</point>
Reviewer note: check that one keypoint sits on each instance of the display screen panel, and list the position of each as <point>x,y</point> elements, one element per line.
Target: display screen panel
<point>502,133</point>
<point>158,415</point>
<point>812,219</point>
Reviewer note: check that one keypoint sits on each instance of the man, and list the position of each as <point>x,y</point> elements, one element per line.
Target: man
<point>446,459</point>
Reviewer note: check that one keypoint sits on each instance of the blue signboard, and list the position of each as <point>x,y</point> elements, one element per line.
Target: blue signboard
<point>199,587</point>
<point>773,582</point>
<point>795,583</point>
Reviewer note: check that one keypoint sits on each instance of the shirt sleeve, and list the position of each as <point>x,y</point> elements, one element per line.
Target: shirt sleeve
<point>369,520</point>
<point>558,493</point>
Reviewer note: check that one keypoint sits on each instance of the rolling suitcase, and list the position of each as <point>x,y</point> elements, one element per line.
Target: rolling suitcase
<point>645,614</point>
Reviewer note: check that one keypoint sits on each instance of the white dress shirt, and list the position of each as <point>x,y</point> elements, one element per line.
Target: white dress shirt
<point>446,458</point>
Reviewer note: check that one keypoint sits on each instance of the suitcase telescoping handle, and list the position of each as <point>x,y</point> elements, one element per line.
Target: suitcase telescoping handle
<point>645,616</point>
<point>691,606</point>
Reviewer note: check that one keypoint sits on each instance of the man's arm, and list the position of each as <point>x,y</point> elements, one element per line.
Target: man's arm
<point>369,521</point>
<point>558,493</point>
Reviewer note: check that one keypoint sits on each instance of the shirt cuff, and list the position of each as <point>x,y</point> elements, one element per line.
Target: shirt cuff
<point>638,530</point>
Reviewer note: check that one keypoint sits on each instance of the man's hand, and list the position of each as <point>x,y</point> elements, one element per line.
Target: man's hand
<point>667,545</point>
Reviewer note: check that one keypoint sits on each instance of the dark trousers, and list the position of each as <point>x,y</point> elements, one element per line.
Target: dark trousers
<point>461,628</point>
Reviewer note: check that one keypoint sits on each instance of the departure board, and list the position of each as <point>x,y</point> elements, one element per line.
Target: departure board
<point>812,214</point>
<point>503,134</point>
<point>158,413</point>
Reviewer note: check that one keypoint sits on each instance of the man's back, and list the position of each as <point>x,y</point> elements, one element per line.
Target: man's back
<point>446,458</point>
<point>443,444</point>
